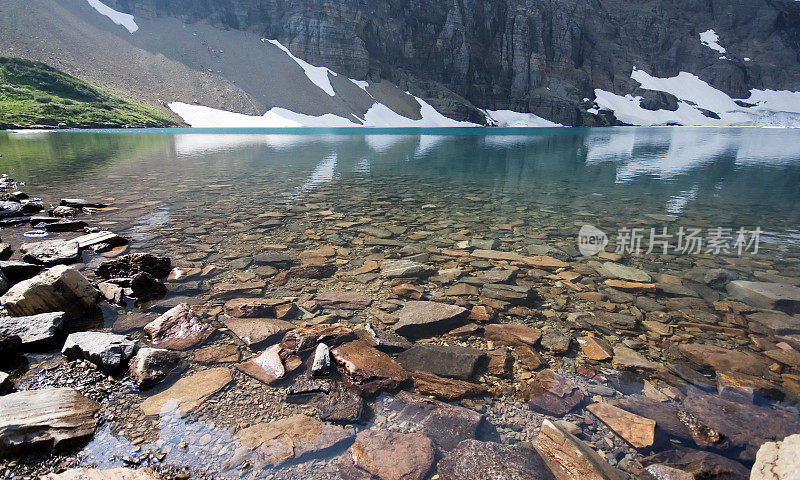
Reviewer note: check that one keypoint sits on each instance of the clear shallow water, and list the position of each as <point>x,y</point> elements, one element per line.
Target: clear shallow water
<point>213,197</point>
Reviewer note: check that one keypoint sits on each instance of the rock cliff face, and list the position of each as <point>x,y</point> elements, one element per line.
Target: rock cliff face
<point>545,57</point>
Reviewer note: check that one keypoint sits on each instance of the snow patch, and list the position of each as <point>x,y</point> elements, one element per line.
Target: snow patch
<point>509,118</point>
<point>124,19</point>
<point>318,75</point>
<point>710,39</point>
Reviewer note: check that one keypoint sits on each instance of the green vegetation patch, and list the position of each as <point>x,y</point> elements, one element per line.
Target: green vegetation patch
<point>35,94</point>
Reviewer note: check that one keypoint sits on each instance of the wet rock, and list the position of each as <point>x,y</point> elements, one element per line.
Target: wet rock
<point>112,292</point>
<point>266,367</point>
<point>98,474</point>
<point>17,272</point>
<point>224,353</point>
<point>623,272</point>
<point>189,392</point>
<point>528,357</point>
<point>778,460</point>
<point>81,203</point>
<point>253,307</point>
<point>343,300</point>
<point>769,296</point>
<point>443,360</point>
<point>551,393</point>
<point>724,360</point>
<point>152,365</point>
<point>595,348</point>
<point>555,342</point>
<point>146,287</point>
<point>445,424</point>
<point>701,433</point>
<point>66,226</point>
<point>626,358</point>
<point>636,430</point>
<point>462,290</point>
<point>277,260</point>
<point>343,405</point>
<point>420,319</point>
<point>569,458</point>
<point>745,426</point>
<point>108,351</point>
<point>512,334</point>
<point>34,331</point>
<point>664,472</point>
<point>544,262</point>
<point>131,264</point>
<point>386,342</point>
<point>627,286</point>
<point>321,365</point>
<point>52,418</point>
<point>665,415</point>
<point>513,294</point>
<point>476,460</point>
<point>719,277</point>
<point>701,464</point>
<point>290,438</point>
<point>51,252</point>
<point>497,255</point>
<point>313,271</point>
<point>393,456</point>
<point>258,331</point>
<point>368,369</point>
<point>774,323</point>
<point>406,269</point>
<point>307,338</point>
<point>59,289</point>
<point>178,329</point>
<point>445,388</point>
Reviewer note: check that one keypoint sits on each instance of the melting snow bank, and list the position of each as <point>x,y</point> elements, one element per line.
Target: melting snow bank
<point>317,75</point>
<point>710,39</point>
<point>379,115</point>
<point>124,19</point>
<point>509,118</point>
<point>699,103</point>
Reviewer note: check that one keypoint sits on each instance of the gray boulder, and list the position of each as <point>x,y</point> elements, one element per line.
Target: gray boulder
<point>106,350</point>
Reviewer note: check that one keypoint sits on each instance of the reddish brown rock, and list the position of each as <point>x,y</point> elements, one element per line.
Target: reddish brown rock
<point>500,362</point>
<point>552,393</point>
<point>343,300</point>
<point>178,329</point>
<point>636,430</point>
<point>255,331</point>
<point>631,286</point>
<point>528,357</point>
<point>427,319</point>
<point>225,353</point>
<point>724,360</point>
<point>267,367</point>
<point>189,392</point>
<point>544,262</point>
<point>445,388</point>
<point>307,338</point>
<point>253,307</point>
<point>393,456</point>
<point>595,348</point>
<point>368,369</point>
<point>569,458</point>
<point>512,334</point>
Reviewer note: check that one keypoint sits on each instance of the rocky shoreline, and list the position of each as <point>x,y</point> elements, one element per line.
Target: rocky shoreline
<point>354,354</point>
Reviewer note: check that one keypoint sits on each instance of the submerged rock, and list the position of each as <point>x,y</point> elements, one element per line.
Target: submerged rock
<point>406,269</point>
<point>769,296</point>
<point>258,331</point>
<point>443,360</point>
<point>59,289</point>
<point>98,474</point>
<point>420,319</point>
<point>368,369</point>
<point>512,334</point>
<point>306,338</point>
<point>267,367</point>
<point>476,460</point>
<point>51,418</point>
<point>568,458</point>
<point>151,365</point>
<point>108,351</point>
<point>393,456</point>
<point>552,393</point>
<point>445,388</point>
<point>189,392</point>
<point>636,430</point>
<point>343,300</point>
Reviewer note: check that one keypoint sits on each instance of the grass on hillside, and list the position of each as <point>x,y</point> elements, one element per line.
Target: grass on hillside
<point>35,94</point>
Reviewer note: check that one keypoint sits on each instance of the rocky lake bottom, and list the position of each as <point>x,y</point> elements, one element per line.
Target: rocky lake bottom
<point>398,307</point>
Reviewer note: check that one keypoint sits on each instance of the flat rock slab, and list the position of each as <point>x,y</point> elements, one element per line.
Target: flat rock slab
<point>135,263</point>
<point>178,329</point>
<point>724,360</point>
<point>253,307</point>
<point>443,360</point>
<point>446,388</point>
<point>769,296</point>
<point>512,334</point>
<point>108,351</point>
<point>544,262</point>
<point>44,419</point>
<point>35,330</point>
<point>595,348</point>
<point>774,323</point>
<point>513,294</point>
<point>636,430</point>
<point>393,456</point>
<point>445,424</point>
<point>51,252</point>
<point>624,272</point>
<point>420,319</point>
<point>778,460</point>
<point>59,289</point>
<point>367,368</point>
<point>266,367</point>
<point>476,460</point>
<point>97,474</point>
<point>290,438</point>
<point>568,458</point>
<point>629,359</point>
<point>307,338</point>
<point>343,300</point>
<point>406,269</point>
<point>256,331</point>
<point>497,255</point>
<point>552,393</point>
<point>189,392</point>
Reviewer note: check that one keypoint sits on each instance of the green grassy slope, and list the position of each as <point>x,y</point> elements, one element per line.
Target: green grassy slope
<point>34,94</point>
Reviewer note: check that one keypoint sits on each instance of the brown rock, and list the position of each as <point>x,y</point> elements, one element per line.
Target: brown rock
<point>178,329</point>
<point>628,358</point>
<point>528,357</point>
<point>569,458</point>
<point>482,313</point>
<point>427,319</point>
<point>636,430</point>
<point>267,367</point>
<point>393,456</point>
<point>631,286</point>
<point>189,392</point>
<point>544,262</point>
<point>500,362</point>
<point>368,369</point>
<point>221,289</point>
<point>552,393</point>
<point>445,388</point>
<point>512,334</point>
<point>307,338</point>
<point>255,331</point>
<point>343,300</point>
<point>462,290</point>
<point>595,348</point>
<point>724,360</point>
<point>475,460</point>
<point>497,255</point>
<point>253,307</point>
<point>225,353</point>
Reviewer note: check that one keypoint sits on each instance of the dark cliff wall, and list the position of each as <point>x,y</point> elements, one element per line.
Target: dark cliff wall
<point>539,56</point>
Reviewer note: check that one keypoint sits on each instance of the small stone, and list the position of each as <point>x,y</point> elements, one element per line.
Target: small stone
<point>627,358</point>
<point>134,263</point>
<point>626,273</point>
<point>258,331</point>
<point>343,300</point>
<point>98,474</point>
<point>267,367</point>
<point>769,296</point>
<point>595,348</point>
<point>321,366</point>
